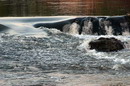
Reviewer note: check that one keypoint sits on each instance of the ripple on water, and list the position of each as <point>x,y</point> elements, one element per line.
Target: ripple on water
<point>58,52</point>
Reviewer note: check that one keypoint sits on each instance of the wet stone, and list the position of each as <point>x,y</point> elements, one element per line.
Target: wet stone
<point>106,44</point>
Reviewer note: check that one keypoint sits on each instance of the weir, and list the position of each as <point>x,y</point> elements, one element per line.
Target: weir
<point>113,25</point>
<point>85,25</point>
<point>64,42</point>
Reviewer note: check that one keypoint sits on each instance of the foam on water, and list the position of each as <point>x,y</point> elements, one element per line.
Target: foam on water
<point>24,25</point>
<point>23,28</point>
<point>44,50</point>
<point>121,57</point>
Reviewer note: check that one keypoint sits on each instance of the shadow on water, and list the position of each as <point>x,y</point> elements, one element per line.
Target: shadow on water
<point>2,27</point>
<point>63,7</point>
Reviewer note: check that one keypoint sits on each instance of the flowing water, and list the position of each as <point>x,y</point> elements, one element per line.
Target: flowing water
<point>31,56</point>
<point>28,54</point>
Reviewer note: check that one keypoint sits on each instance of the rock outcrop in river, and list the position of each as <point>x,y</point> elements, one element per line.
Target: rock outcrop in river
<point>106,44</point>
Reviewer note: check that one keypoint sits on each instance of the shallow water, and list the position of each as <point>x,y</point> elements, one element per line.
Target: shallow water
<point>37,56</point>
<point>29,54</point>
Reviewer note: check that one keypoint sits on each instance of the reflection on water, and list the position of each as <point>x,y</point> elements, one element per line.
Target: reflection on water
<point>63,7</point>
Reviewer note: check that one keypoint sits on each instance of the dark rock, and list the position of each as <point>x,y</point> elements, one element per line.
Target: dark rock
<point>127,17</point>
<point>106,44</point>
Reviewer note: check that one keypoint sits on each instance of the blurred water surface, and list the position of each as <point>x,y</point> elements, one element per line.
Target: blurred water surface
<point>63,7</point>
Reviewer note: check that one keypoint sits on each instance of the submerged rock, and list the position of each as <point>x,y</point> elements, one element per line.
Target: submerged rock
<point>106,44</point>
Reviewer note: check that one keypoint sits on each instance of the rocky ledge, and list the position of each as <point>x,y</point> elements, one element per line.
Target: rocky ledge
<point>106,44</point>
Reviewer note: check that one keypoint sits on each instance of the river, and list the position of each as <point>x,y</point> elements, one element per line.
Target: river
<point>32,56</point>
<point>63,7</point>
<point>43,56</point>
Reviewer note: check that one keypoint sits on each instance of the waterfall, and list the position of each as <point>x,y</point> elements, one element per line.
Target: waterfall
<point>87,28</point>
<point>109,30</point>
<point>74,29</point>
